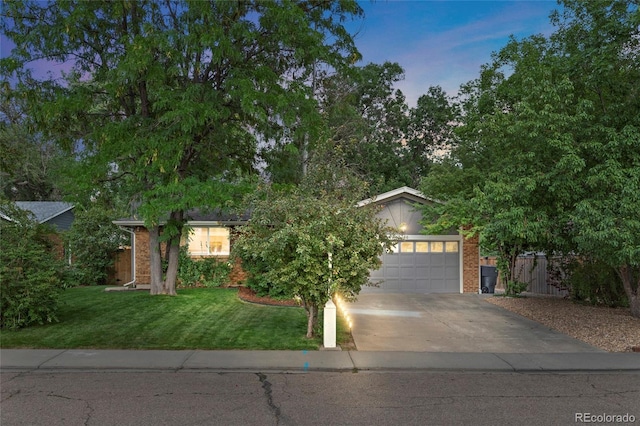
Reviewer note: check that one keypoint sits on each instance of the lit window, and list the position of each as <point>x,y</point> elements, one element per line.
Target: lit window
<point>406,247</point>
<point>437,246</point>
<point>422,247</point>
<point>451,247</point>
<point>209,241</point>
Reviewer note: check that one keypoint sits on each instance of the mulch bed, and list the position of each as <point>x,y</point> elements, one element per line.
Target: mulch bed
<point>248,295</point>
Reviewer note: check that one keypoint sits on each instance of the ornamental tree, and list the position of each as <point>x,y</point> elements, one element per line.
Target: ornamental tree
<point>311,242</point>
<point>167,99</point>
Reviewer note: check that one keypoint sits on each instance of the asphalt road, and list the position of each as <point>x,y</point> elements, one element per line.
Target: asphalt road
<point>364,398</point>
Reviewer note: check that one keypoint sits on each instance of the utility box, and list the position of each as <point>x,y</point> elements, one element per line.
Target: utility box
<point>488,279</point>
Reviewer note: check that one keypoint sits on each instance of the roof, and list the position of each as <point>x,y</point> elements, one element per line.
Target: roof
<point>403,192</point>
<point>44,211</point>
<point>199,217</point>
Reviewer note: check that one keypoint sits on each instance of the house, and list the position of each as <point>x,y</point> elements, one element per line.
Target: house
<point>210,236</point>
<point>55,213</point>
<point>422,263</point>
<point>58,214</point>
<point>418,263</point>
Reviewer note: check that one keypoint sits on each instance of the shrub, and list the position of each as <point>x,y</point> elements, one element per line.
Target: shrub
<point>92,239</point>
<point>30,274</point>
<point>594,282</point>
<point>207,272</point>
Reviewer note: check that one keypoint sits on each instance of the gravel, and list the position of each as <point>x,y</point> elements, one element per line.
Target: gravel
<point>611,329</point>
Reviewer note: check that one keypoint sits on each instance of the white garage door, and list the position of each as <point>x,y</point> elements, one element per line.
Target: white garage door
<point>420,267</point>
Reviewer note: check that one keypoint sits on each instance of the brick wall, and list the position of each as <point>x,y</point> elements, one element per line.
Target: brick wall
<point>143,261</point>
<point>471,265</point>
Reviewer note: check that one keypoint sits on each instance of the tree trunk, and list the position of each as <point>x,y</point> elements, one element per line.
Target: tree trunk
<point>173,253</point>
<point>312,317</point>
<point>631,282</point>
<point>155,258</point>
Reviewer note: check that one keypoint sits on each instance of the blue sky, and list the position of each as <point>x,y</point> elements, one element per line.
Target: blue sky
<point>436,42</point>
<point>444,42</point>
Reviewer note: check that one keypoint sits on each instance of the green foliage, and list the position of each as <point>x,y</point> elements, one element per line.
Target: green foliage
<point>204,272</point>
<point>547,156</point>
<point>170,100</point>
<point>595,282</point>
<point>312,241</point>
<point>92,240</point>
<point>30,275</point>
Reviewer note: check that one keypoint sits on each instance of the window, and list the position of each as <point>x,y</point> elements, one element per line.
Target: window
<point>451,247</point>
<point>437,246</point>
<point>422,247</point>
<point>209,241</point>
<point>406,247</point>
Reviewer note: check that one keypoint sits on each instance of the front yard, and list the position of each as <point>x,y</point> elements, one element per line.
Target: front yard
<point>89,317</point>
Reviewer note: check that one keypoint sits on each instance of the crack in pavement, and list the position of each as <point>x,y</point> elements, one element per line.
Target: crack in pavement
<point>90,410</point>
<point>266,385</point>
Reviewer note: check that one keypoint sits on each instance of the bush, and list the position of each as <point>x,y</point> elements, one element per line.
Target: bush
<point>596,283</point>
<point>92,239</point>
<point>207,272</point>
<point>30,274</point>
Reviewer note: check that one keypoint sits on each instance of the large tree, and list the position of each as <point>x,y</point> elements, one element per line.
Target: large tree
<point>548,153</point>
<point>170,98</point>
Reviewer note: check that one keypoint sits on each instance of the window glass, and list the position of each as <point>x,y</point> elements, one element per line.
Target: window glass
<point>209,241</point>
<point>422,247</point>
<point>451,247</point>
<point>437,246</point>
<point>198,241</point>
<point>394,249</point>
<point>406,247</point>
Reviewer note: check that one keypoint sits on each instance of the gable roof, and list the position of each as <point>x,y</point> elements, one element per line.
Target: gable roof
<point>44,211</point>
<point>403,192</point>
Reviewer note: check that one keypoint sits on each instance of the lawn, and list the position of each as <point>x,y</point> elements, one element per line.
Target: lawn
<point>89,317</point>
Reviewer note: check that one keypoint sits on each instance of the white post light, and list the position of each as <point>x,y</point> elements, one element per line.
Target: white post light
<point>330,325</point>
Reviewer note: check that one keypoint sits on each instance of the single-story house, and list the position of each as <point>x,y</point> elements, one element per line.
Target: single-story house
<point>418,263</point>
<point>211,236</point>
<point>56,213</point>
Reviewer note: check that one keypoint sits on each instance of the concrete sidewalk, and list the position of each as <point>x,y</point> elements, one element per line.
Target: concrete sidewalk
<point>303,361</point>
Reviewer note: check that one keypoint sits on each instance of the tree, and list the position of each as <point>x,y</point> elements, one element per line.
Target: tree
<point>169,99</point>
<point>30,275</point>
<point>28,168</point>
<point>547,157</point>
<point>313,241</point>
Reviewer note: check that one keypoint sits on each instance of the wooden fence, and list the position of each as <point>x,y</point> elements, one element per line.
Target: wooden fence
<point>533,270</point>
<point>120,273</point>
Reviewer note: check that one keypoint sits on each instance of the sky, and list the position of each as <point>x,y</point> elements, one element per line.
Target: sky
<point>440,42</point>
<point>444,42</point>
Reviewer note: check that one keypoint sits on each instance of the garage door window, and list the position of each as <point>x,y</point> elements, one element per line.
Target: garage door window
<point>406,247</point>
<point>422,247</point>
<point>437,246</point>
<point>451,247</point>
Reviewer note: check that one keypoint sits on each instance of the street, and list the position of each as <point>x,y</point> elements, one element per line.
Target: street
<point>103,397</point>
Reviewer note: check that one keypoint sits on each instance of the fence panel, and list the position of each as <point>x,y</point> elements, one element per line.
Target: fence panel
<point>532,270</point>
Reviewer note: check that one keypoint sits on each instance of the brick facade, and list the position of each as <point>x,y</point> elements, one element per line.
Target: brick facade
<point>471,265</point>
<point>143,260</point>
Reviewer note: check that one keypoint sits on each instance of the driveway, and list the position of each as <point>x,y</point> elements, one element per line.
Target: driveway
<point>450,323</point>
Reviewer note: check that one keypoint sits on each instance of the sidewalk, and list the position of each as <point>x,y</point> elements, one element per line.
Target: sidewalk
<point>303,361</point>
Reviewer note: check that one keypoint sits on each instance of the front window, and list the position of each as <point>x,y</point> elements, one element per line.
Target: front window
<point>209,241</point>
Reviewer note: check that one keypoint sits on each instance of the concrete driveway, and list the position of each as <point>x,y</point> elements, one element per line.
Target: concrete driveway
<point>450,323</point>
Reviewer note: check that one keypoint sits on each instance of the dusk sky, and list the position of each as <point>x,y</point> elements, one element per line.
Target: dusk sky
<point>444,42</point>
<point>436,42</point>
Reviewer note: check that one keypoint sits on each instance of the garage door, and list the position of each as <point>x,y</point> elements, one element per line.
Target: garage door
<point>420,267</point>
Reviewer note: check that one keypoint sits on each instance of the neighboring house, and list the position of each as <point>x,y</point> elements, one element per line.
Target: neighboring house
<point>211,235</point>
<point>418,264</point>
<point>422,263</point>
<point>58,214</point>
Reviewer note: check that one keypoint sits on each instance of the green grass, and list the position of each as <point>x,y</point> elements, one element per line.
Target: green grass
<point>89,317</point>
